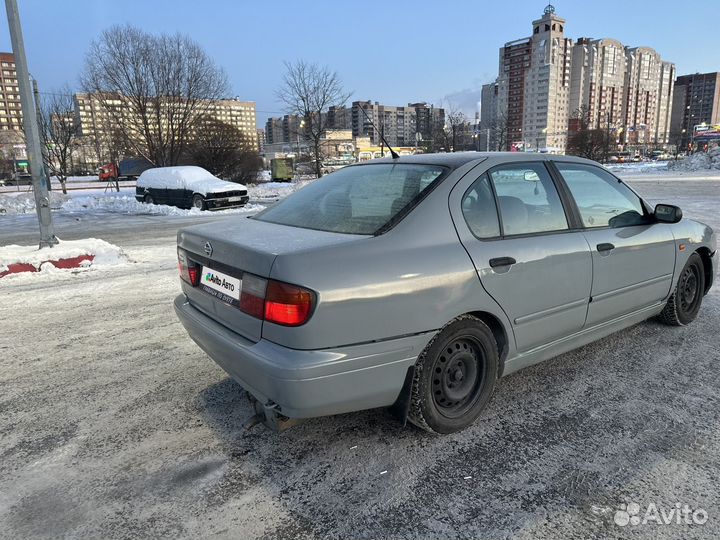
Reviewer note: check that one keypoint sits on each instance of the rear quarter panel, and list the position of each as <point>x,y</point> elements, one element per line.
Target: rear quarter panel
<point>413,279</point>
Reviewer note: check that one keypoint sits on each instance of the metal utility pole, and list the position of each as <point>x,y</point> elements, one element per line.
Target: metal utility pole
<point>30,125</point>
<point>38,113</point>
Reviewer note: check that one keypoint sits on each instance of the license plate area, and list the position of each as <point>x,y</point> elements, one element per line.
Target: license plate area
<point>224,287</point>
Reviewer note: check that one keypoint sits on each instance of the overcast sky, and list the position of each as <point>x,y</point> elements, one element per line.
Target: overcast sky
<point>394,52</point>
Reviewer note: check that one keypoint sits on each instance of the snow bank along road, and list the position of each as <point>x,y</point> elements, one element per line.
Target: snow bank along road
<point>113,424</point>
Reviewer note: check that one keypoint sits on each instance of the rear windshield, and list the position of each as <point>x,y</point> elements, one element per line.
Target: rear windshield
<point>357,200</point>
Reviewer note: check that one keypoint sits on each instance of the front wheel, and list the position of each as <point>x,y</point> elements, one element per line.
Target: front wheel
<point>684,303</point>
<point>148,199</point>
<point>198,202</point>
<point>454,376</point>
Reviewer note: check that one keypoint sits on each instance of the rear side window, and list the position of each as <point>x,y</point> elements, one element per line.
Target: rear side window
<point>602,200</point>
<point>357,200</point>
<point>479,209</point>
<point>529,202</point>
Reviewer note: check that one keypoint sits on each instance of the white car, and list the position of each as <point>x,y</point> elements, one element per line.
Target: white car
<point>189,187</point>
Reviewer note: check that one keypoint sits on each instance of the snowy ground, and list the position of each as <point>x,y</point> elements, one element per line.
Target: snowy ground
<point>113,424</point>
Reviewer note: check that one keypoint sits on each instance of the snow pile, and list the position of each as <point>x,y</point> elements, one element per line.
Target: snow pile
<point>698,162</point>
<point>639,167</point>
<point>126,204</point>
<point>105,254</point>
<point>188,177</point>
<point>274,191</point>
<point>24,202</point>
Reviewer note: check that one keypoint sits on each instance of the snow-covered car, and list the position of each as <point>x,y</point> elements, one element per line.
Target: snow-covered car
<point>188,187</point>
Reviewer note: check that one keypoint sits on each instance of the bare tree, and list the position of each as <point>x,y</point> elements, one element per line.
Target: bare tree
<point>223,150</point>
<point>499,131</point>
<point>59,133</point>
<point>309,90</point>
<point>154,88</point>
<point>585,141</point>
<point>455,123</point>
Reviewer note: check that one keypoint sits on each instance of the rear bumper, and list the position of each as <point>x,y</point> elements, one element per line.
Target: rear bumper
<point>307,383</point>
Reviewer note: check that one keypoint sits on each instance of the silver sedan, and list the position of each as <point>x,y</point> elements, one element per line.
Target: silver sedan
<point>415,283</point>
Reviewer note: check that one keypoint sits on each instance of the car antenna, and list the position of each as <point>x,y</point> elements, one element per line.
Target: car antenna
<point>393,153</point>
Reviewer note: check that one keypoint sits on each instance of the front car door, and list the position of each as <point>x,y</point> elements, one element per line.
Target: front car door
<point>633,255</point>
<point>514,226</point>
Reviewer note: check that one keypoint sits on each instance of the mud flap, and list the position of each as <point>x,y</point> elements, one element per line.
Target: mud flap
<point>401,407</point>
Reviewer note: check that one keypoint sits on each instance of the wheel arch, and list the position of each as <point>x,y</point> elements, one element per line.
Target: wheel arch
<point>499,333</point>
<point>704,253</point>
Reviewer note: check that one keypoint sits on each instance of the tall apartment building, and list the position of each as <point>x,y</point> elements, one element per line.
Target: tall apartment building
<point>489,134</point>
<point>696,100</point>
<point>649,87</point>
<point>339,117</point>
<point>545,81</point>
<point>10,108</point>
<point>397,124</point>
<point>534,86</point>
<point>597,84</point>
<point>274,131</point>
<point>400,124</point>
<point>97,117</point>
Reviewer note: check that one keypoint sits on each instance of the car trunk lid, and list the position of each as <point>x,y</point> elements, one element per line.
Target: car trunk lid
<point>235,246</point>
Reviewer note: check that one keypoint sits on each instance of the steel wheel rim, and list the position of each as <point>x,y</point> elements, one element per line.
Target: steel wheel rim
<point>458,375</point>
<point>688,288</point>
<point>198,203</point>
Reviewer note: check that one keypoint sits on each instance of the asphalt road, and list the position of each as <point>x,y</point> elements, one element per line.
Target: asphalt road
<point>113,424</point>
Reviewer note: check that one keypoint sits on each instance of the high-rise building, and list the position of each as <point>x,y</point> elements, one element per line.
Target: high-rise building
<point>547,85</point>
<point>339,117</point>
<point>399,124</point>
<point>648,100</point>
<point>490,132</point>
<point>534,86</point>
<point>97,116</point>
<point>10,107</point>
<point>274,131</point>
<point>597,84</point>
<point>696,100</point>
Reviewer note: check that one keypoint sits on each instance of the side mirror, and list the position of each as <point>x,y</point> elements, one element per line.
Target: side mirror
<point>531,176</point>
<point>667,213</point>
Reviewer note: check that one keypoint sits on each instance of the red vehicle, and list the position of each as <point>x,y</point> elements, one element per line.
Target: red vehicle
<point>129,169</point>
<point>108,172</point>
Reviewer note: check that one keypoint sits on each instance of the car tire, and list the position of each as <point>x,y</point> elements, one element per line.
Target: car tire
<point>148,199</point>
<point>198,201</point>
<point>454,376</point>
<point>684,303</point>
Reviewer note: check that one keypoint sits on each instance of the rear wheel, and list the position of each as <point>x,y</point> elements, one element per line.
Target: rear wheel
<point>198,202</point>
<point>148,199</point>
<point>684,303</point>
<point>454,376</point>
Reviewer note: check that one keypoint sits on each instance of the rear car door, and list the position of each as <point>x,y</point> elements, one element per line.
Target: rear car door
<point>528,256</point>
<point>633,255</point>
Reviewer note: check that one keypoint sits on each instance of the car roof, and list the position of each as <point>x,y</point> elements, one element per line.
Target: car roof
<point>458,159</point>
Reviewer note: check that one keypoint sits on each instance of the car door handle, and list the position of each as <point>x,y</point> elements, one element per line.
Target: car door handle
<point>502,261</point>
<point>605,247</point>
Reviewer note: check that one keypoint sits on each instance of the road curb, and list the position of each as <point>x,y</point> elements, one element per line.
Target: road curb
<point>71,262</point>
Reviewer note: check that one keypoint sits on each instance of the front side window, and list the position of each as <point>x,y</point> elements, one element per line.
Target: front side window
<point>602,199</point>
<point>362,199</point>
<point>528,200</point>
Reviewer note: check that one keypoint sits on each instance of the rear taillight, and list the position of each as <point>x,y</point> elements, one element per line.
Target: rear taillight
<point>276,302</point>
<point>288,305</point>
<point>189,269</point>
